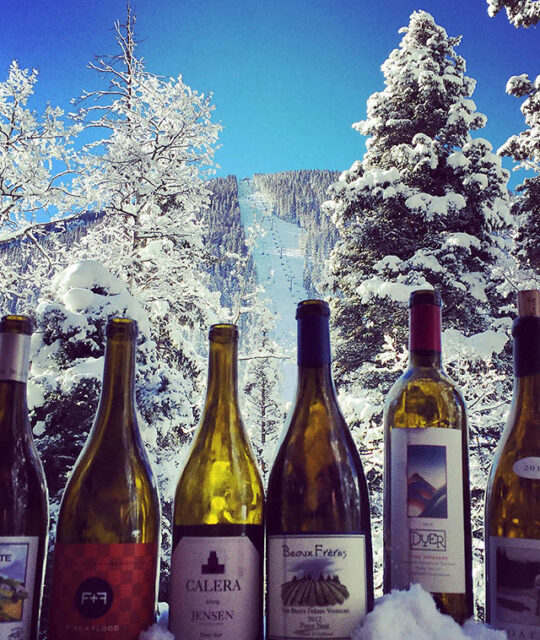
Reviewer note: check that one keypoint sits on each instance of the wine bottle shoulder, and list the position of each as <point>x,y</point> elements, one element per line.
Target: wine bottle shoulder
<point>110,497</point>
<point>317,482</point>
<point>424,397</point>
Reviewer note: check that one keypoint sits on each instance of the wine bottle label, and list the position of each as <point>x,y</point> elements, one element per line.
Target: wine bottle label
<point>14,356</point>
<point>527,468</point>
<point>102,591</point>
<point>514,586</point>
<point>317,585</point>
<point>215,588</point>
<point>18,564</point>
<point>427,520</point>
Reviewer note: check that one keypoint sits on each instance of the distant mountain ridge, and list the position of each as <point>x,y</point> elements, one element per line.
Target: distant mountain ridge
<point>295,196</point>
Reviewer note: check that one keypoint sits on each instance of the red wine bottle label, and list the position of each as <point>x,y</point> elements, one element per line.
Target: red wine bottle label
<point>215,588</point>
<point>425,328</point>
<point>18,563</point>
<point>15,351</point>
<point>426,510</point>
<point>102,591</point>
<point>513,586</point>
<point>317,585</point>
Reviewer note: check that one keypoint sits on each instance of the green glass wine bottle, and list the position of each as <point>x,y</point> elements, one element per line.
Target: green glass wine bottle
<point>427,523</point>
<point>319,556</point>
<point>24,515</point>
<point>108,533</point>
<point>512,522</point>
<point>218,538</point>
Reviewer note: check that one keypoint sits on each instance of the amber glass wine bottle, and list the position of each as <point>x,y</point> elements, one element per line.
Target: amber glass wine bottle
<point>512,533</point>
<point>216,566</point>
<point>320,576</point>
<point>23,495</point>
<point>105,558</point>
<point>427,524</point>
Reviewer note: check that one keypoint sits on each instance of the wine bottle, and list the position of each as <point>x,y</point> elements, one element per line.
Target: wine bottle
<point>320,576</point>
<point>24,517</point>
<point>427,524</point>
<point>216,566</point>
<point>512,523</point>
<point>105,557</point>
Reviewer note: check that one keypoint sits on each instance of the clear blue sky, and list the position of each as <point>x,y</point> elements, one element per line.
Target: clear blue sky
<point>289,77</point>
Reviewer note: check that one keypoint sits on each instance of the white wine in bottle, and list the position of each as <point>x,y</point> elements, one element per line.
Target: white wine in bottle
<point>320,576</point>
<point>512,530</point>
<point>23,497</point>
<point>218,538</point>
<point>105,557</point>
<point>427,524</point>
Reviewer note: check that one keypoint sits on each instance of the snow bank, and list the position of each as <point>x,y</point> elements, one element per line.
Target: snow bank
<point>156,632</point>
<point>412,615</point>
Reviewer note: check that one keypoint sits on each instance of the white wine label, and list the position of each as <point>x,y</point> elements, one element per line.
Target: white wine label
<point>317,586</point>
<point>527,468</point>
<point>18,562</point>
<point>427,521</point>
<point>215,588</point>
<point>14,356</point>
<point>513,586</point>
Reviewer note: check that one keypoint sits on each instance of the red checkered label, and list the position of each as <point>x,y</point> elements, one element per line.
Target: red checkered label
<point>102,591</point>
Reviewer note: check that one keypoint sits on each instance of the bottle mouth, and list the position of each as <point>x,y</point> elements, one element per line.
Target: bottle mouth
<point>121,327</point>
<point>312,308</point>
<point>223,333</point>
<point>16,324</point>
<point>425,296</point>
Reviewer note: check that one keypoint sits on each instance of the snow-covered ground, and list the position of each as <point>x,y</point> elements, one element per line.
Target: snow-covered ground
<point>400,615</point>
<point>279,260</point>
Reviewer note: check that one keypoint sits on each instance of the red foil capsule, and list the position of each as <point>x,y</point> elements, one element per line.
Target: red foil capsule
<point>425,328</point>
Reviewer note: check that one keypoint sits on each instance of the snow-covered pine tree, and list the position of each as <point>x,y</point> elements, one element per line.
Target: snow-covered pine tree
<point>524,148</point>
<point>521,13</point>
<point>426,207</point>
<point>262,407</point>
<point>65,381</point>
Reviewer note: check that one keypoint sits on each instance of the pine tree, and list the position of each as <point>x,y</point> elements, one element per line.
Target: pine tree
<point>65,381</point>
<point>521,13</point>
<point>423,206</point>
<point>427,207</point>
<point>262,407</point>
<point>524,148</point>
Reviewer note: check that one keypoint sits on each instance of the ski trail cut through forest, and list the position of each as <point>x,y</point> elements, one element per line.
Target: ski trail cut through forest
<point>279,262</point>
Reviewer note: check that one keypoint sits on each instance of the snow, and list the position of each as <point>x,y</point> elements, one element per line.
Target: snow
<point>395,290</point>
<point>157,632</point>
<point>461,239</point>
<point>480,346</point>
<point>279,260</point>
<point>400,615</point>
<point>412,615</point>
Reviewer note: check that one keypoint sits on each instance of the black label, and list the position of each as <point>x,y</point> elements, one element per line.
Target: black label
<point>94,598</point>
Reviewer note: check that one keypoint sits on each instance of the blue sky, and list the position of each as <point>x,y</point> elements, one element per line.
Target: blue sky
<point>288,77</point>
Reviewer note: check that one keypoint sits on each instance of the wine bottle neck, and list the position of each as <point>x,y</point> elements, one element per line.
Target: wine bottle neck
<point>222,371</point>
<point>13,412</point>
<point>116,412</point>
<point>526,333</point>
<point>315,382</point>
<point>429,359</point>
<point>14,352</point>
<point>527,393</point>
<point>425,336</point>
